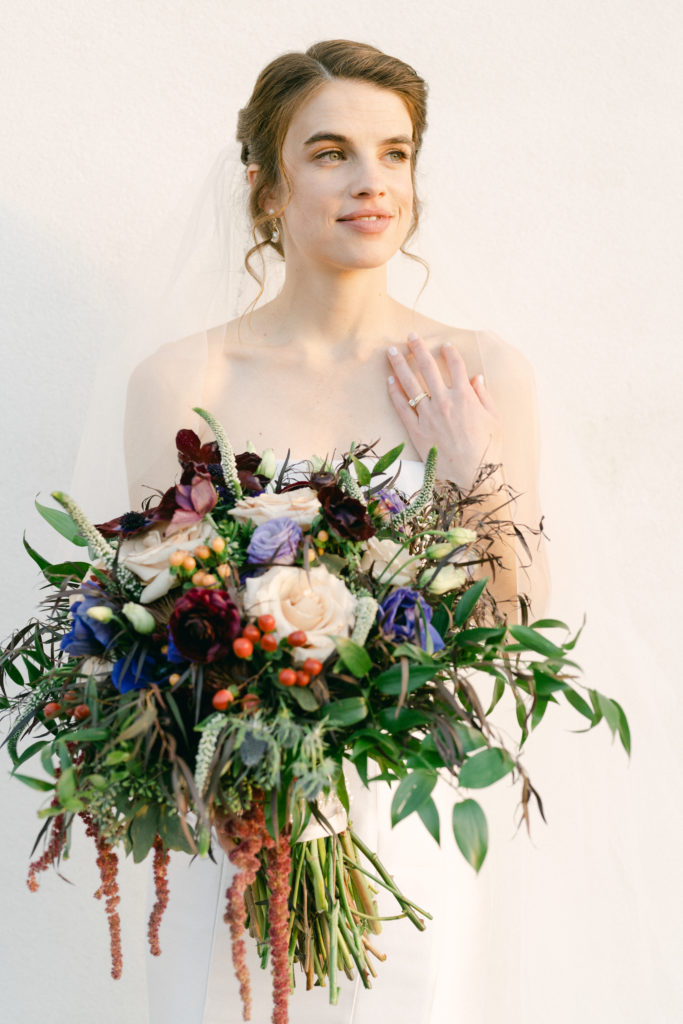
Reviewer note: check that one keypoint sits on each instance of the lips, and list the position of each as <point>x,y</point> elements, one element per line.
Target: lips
<point>369,215</point>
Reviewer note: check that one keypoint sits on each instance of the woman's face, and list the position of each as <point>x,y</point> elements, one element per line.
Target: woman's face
<point>347,156</point>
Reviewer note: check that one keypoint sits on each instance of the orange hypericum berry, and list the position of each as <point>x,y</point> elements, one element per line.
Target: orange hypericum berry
<point>242,647</point>
<point>174,678</point>
<point>322,536</point>
<point>202,552</point>
<point>223,571</point>
<point>218,545</point>
<point>222,699</point>
<point>287,676</point>
<point>70,695</point>
<point>178,557</point>
<point>164,649</point>
<point>312,666</point>
<point>251,632</point>
<point>52,709</point>
<point>302,679</point>
<point>198,578</point>
<point>266,623</point>
<point>268,642</point>
<point>321,551</point>
<point>297,638</point>
<point>81,712</point>
<point>209,580</point>
<point>189,563</point>
<point>250,702</point>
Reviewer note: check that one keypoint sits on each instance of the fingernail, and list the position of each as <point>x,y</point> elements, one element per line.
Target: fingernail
<point>391,380</point>
<point>480,378</point>
<point>393,351</point>
<point>413,336</point>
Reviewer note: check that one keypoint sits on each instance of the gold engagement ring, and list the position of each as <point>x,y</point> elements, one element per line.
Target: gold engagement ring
<point>414,402</point>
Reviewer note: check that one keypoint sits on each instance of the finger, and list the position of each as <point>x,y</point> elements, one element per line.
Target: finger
<point>483,394</point>
<point>406,414</point>
<point>456,367</point>
<point>427,365</point>
<point>405,376</point>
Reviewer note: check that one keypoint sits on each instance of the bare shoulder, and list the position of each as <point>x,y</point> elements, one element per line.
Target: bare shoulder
<point>171,359</point>
<point>502,360</point>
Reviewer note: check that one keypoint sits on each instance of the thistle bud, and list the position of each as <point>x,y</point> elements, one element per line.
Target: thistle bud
<point>140,619</point>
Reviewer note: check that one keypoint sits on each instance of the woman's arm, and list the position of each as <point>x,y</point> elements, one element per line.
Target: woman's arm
<point>162,392</point>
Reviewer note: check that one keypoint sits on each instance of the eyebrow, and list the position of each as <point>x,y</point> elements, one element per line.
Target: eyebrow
<point>396,140</point>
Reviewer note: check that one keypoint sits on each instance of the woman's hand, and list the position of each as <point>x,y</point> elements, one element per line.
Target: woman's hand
<point>459,418</point>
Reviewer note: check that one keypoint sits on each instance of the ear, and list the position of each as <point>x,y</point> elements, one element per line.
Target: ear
<point>252,171</point>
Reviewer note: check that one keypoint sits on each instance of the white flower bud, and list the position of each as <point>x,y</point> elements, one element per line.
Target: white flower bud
<point>140,619</point>
<point>460,535</point>
<point>450,577</point>
<point>267,465</point>
<point>100,612</point>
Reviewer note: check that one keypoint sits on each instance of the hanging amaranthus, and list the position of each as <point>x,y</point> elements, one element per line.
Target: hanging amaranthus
<point>279,867</point>
<point>250,834</point>
<point>107,862</point>
<point>161,859</point>
<point>52,851</point>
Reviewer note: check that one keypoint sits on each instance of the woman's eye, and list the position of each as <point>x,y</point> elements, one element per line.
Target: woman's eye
<point>397,155</point>
<point>334,155</point>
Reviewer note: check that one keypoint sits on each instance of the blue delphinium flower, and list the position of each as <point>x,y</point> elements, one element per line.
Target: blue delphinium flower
<point>403,615</point>
<point>276,540</point>
<point>136,673</point>
<point>88,636</point>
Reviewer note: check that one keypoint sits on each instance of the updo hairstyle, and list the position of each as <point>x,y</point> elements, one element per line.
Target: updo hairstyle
<point>288,82</point>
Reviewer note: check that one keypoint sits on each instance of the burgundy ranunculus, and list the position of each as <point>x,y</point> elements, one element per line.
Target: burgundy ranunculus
<point>192,451</point>
<point>346,515</point>
<point>252,482</point>
<point>203,625</point>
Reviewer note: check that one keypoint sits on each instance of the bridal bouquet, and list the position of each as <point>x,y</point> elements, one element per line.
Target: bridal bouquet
<point>229,647</point>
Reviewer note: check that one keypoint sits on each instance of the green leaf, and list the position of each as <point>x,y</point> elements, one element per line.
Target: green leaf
<point>387,459</point>
<point>171,831</point>
<point>13,672</point>
<point>407,718</point>
<point>429,815</point>
<point>143,830</point>
<point>465,605</point>
<point>471,832</point>
<point>538,712</point>
<point>42,784</point>
<point>580,705</point>
<point>389,682</point>
<point>485,768</point>
<point>29,752</point>
<point>66,785</point>
<point>481,634</point>
<point>624,731</point>
<point>346,712</point>
<point>609,710</point>
<point>342,792</point>
<point>498,691</point>
<point>62,523</point>
<point>546,682</point>
<point>41,562</point>
<point>304,698</point>
<point>362,472</point>
<point>87,735</point>
<point>470,738</point>
<point>549,624</point>
<point>535,642</point>
<point>412,791</point>
<point>56,574</point>
<point>355,657</point>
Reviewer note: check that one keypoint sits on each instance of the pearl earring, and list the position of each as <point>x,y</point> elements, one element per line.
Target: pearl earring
<point>275,235</point>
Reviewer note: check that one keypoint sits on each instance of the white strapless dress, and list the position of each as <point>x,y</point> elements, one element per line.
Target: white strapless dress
<point>193,981</point>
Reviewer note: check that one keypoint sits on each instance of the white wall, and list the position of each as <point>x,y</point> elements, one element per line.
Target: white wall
<point>551,162</point>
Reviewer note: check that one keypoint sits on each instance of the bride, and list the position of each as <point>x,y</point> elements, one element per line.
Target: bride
<point>330,140</point>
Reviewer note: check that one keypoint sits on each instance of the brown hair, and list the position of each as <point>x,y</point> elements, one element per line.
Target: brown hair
<point>284,85</point>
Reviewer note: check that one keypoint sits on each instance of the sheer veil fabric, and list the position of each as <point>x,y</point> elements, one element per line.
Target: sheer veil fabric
<point>183,298</point>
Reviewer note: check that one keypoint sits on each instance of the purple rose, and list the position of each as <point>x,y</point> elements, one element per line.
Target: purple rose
<point>403,616</point>
<point>276,540</point>
<point>88,636</point>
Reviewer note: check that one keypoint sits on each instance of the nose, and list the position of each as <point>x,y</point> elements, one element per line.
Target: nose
<point>369,179</point>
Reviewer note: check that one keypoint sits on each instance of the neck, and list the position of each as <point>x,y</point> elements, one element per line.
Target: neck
<point>323,313</point>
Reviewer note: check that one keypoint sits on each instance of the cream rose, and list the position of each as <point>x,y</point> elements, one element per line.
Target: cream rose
<point>377,556</point>
<point>320,605</point>
<point>147,556</point>
<point>300,505</point>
